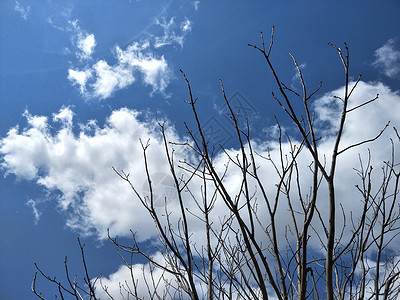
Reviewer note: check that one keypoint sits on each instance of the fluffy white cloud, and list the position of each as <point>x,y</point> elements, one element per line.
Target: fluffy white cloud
<point>110,78</point>
<point>148,281</point>
<point>155,72</point>
<point>137,63</point>
<point>78,165</point>
<point>151,281</point>
<point>79,78</point>
<point>86,44</point>
<point>82,40</point>
<point>296,81</point>
<point>101,80</point>
<point>387,59</point>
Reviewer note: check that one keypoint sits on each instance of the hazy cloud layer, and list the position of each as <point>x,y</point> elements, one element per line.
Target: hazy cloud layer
<point>387,59</point>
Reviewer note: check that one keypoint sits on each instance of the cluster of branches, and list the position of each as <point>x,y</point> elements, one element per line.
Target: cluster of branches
<point>244,256</point>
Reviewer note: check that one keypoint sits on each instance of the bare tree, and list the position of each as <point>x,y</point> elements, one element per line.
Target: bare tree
<point>323,251</point>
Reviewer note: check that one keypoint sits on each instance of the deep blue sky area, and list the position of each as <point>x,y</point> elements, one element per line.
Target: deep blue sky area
<point>63,54</point>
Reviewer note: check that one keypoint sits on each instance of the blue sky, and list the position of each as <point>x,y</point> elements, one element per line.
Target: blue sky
<point>82,81</point>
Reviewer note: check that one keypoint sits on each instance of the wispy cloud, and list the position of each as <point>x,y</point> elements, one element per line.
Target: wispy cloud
<point>387,59</point>
<point>23,10</point>
<point>36,213</point>
<point>296,81</point>
<point>173,33</point>
<point>186,25</point>
<point>196,4</point>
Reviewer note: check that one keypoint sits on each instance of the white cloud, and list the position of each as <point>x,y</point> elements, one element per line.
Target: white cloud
<point>78,166</point>
<point>296,82</point>
<point>156,73</point>
<point>102,80</point>
<point>83,41</point>
<point>23,10</point>
<point>151,281</point>
<point>387,59</point>
<point>186,25</point>
<point>53,24</point>
<point>36,213</point>
<point>137,63</point>
<point>170,36</point>
<point>64,116</point>
<point>148,279</point>
<point>361,124</point>
<point>109,79</point>
<point>86,44</point>
<point>196,4</point>
<point>80,78</point>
